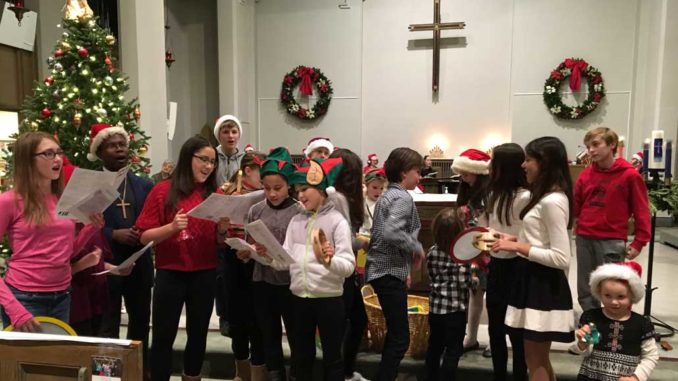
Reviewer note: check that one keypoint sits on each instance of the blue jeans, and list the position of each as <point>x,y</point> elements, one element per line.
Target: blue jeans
<point>56,304</point>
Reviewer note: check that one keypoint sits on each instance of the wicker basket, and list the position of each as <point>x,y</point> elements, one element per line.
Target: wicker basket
<point>418,322</point>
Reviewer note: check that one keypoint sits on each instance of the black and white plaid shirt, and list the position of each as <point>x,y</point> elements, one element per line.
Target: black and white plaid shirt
<point>449,282</point>
<point>395,231</point>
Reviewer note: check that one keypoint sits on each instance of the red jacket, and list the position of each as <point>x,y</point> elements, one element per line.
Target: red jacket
<point>605,199</point>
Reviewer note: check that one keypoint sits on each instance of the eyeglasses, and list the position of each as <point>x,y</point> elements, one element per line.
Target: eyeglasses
<point>50,154</point>
<point>206,160</point>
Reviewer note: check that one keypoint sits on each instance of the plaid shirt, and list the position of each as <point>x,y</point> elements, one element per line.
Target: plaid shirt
<point>395,228</point>
<point>449,282</point>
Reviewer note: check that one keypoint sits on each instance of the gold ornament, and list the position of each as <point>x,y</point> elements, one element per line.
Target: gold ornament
<point>315,175</point>
<point>77,120</point>
<point>34,126</point>
<point>137,114</point>
<point>110,40</point>
<point>77,10</point>
<point>143,149</point>
<point>65,45</point>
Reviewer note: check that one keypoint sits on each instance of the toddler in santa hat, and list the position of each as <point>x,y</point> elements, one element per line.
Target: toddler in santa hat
<point>619,344</point>
<point>637,160</point>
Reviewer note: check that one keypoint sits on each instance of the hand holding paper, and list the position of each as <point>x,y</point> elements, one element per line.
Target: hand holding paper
<point>264,237</point>
<point>217,206</point>
<point>242,245</point>
<point>128,263</point>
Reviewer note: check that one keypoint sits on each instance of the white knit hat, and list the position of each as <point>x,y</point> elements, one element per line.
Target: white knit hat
<point>222,120</point>
<point>318,143</point>
<point>627,271</point>
<point>472,161</point>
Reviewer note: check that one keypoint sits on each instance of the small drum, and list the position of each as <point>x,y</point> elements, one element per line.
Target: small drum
<point>471,243</point>
<point>319,240</point>
<point>51,326</point>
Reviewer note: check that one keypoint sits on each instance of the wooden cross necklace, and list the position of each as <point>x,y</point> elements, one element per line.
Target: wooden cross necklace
<point>122,204</point>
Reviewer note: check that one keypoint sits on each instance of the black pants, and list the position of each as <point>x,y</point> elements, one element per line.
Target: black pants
<point>173,289</point>
<point>327,314</point>
<point>271,303</point>
<point>500,281</point>
<point>446,340</point>
<point>356,322</point>
<point>392,294</point>
<point>90,327</point>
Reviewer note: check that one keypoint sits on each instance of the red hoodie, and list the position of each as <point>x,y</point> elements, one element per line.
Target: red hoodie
<point>605,199</point>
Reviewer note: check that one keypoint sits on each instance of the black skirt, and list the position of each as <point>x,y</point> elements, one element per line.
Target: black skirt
<point>540,304</point>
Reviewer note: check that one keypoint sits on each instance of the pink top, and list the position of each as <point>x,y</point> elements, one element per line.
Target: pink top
<point>41,255</point>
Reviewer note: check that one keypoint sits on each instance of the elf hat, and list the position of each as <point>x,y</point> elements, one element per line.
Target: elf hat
<point>249,148</point>
<point>318,143</point>
<point>278,162</point>
<point>375,174</point>
<point>100,132</point>
<point>627,271</point>
<point>318,173</point>
<point>223,120</point>
<point>472,161</point>
<point>638,156</point>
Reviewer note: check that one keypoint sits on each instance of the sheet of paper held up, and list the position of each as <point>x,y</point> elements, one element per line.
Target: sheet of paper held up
<point>127,263</point>
<point>217,206</point>
<point>263,236</point>
<point>240,244</point>
<point>89,192</point>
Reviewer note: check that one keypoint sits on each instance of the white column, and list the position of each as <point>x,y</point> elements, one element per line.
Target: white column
<point>142,54</point>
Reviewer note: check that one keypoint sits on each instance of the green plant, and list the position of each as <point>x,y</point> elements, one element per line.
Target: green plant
<point>664,198</point>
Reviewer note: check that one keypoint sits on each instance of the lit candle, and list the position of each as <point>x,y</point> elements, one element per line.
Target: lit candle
<point>667,163</point>
<point>646,154</point>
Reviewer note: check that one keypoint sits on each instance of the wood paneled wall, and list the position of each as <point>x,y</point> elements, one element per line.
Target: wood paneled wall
<point>18,72</point>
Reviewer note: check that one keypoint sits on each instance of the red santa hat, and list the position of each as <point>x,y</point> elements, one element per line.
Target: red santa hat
<point>628,272</point>
<point>372,156</point>
<point>249,148</point>
<point>316,143</point>
<point>638,156</point>
<point>472,161</point>
<point>223,120</point>
<point>100,132</point>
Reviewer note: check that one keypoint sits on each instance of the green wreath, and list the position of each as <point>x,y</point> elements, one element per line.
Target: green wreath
<point>575,69</point>
<point>306,78</point>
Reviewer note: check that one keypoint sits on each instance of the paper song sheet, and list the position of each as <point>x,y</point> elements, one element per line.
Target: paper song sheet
<point>240,244</point>
<point>218,206</point>
<point>263,236</point>
<point>89,192</point>
<point>127,263</point>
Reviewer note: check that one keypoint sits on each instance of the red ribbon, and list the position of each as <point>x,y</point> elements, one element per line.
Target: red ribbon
<point>576,67</point>
<point>306,86</point>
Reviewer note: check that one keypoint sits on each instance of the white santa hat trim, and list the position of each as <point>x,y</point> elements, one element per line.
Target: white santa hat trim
<point>222,120</point>
<point>620,272</point>
<point>103,135</point>
<point>638,156</point>
<point>463,163</point>
<point>319,143</point>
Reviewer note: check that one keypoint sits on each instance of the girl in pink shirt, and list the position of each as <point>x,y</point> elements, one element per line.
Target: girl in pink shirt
<point>38,279</point>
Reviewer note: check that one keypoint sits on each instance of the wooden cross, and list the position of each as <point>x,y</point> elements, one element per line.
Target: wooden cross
<point>123,205</point>
<point>436,27</point>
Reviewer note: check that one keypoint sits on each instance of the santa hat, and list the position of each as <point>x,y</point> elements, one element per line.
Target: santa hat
<point>223,120</point>
<point>371,156</point>
<point>638,156</point>
<point>249,148</point>
<point>627,271</point>
<point>472,161</point>
<point>316,143</point>
<point>100,132</point>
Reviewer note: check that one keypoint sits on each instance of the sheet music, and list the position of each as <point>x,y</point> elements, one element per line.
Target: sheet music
<point>217,206</point>
<point>263,236</point>
<point>240,244</point>
<point>127,263</point>
<point>89,192</point>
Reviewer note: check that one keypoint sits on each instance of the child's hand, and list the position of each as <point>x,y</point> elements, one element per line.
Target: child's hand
<point>243,254</point>
<point>580,334</point>
<point>504,244</point>
<point>97,219</point>
<point>629,378</point>
<point>261,250</point>
<point>223,225</point>
<point>328,251</point>
<point>417,260</point>
<point>91,258</point>
<point>408,281</point>
<point>180,221</point>
<point>475,282</point>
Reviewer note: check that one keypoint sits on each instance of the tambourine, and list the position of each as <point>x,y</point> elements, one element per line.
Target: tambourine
<point>51,326</point>
<point>471,243</point>
<point>319,240</point>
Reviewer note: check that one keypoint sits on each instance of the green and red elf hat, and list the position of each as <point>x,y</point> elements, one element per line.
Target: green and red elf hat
<point>375,174</point>
<point>318,173</point>
<point>278,162</point>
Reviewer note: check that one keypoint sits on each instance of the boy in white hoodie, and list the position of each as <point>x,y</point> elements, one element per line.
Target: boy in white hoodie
<point>317,283</point>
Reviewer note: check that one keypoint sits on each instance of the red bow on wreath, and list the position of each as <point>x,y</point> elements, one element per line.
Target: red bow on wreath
<point>576,66</point>
<point>306,85</point>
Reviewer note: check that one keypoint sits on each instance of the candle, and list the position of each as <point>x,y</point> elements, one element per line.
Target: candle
<point>667,162</point>
<point>657,147</point>
<point>646,154</point>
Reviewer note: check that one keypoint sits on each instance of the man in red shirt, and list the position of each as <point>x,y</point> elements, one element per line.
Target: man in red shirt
<point>606,194</point>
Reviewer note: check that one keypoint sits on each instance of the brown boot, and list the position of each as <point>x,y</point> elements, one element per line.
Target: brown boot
<point>242,370</point>
<point>259,373</point>
<point>190,378</point>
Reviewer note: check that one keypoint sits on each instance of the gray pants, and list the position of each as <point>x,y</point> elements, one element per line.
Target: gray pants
<point>592,253</point>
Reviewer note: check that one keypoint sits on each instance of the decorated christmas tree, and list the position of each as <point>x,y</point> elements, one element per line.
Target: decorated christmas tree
<point>83,88</point>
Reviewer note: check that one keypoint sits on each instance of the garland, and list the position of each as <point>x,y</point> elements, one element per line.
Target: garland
<point>306,77</point>
<point>574,69</point>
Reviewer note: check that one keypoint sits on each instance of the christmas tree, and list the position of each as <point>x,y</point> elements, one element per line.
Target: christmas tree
<point>84,88</point>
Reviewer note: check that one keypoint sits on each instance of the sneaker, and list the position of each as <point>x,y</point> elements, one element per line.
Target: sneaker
<point>357,377</point>
<point>573,349</point>
<point>487,352</point>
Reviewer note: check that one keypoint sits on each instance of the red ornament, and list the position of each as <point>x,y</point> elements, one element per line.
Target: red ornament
<point>147,169</point>
<point>136,159</point>
<point>46,113</point>
<point>49,81</point>
<point>131,136</point>
<point>58,53</point>
<point>83,52</point>
<point>108,61</point>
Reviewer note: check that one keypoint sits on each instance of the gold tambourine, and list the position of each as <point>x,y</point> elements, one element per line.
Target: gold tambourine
<point>485,240</point>
<point>319,240</point>
<point>51,326</point>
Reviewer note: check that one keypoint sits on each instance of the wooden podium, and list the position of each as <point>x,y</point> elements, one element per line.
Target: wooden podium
<point>40,357</point>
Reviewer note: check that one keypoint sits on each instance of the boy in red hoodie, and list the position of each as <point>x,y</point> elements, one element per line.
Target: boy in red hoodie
<point>606,194</point>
